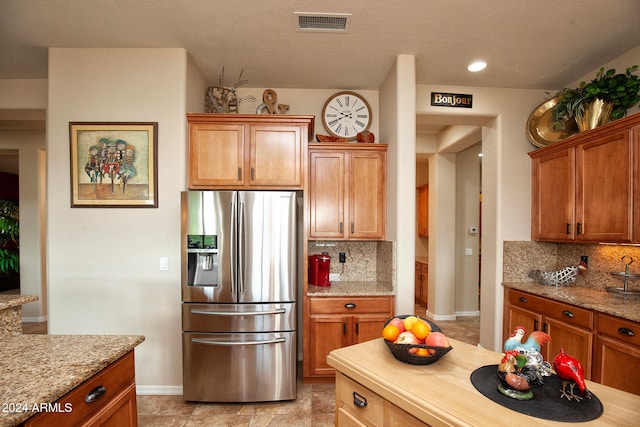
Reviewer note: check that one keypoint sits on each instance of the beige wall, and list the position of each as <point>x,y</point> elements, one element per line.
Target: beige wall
<point>467,215</point>
<point>104,275</point>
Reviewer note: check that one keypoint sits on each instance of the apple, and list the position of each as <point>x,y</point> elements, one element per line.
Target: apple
<point>407,337</point>
<point>409,321</point>
<point>398,323</point>
<point>436,339</point>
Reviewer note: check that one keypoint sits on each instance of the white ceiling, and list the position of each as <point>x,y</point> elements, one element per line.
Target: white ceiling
<point>538,44</point>
<point>541,44</point>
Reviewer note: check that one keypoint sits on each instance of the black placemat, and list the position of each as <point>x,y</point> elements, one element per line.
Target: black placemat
<point>546,403</point>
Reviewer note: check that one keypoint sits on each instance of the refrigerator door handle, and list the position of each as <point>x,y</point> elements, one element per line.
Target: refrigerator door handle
<point>233,259</point>
<point>241,247</point>
<point>235,343</point>
<point>235,313</point>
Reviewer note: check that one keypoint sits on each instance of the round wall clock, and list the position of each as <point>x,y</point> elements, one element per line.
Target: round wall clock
<point>345,114</point>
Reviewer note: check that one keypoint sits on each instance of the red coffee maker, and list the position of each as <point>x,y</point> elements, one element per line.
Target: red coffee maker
<point>319,266</point>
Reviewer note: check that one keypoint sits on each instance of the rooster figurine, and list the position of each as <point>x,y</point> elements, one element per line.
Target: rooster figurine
<point>535,340</point>
<point>570,371</point>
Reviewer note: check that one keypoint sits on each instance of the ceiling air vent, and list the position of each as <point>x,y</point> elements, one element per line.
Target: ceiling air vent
<point>324,22</point>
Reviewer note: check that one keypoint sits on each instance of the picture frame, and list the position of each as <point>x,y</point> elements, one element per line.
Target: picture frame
<point>114,165</point>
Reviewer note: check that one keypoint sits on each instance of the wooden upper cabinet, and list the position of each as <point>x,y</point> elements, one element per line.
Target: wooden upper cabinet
<point>347,191</point>
<point>583,187</point>
<point>216,155</point>
<point>367,184</point>
<point>327,191</point>
<point>553,196</point>
<point>234,151</point>
<point>604,208</point>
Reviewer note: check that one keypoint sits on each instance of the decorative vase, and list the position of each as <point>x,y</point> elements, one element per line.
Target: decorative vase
<point>366,136</point>
<point>596,113</point>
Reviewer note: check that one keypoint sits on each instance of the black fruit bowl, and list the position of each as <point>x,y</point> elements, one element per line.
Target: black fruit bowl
<point>401,351</point>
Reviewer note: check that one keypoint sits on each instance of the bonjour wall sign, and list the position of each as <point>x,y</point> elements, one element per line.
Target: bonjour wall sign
<point>457,100</point>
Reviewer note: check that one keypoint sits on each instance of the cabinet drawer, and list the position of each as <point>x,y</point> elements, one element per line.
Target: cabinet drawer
<point>357,305</point>
<point>114,379</point>
<point>567,313</point>
<point>620,329</point>
<point>359,401</point>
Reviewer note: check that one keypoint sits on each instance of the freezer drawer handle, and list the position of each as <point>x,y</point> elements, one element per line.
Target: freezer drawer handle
<point>234,313</point>
<point>236,343</point>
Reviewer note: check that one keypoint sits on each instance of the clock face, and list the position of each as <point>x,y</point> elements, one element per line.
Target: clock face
<point>345,114</point>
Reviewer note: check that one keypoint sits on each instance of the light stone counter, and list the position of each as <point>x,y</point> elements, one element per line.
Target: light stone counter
<point>11,313</point>
<point>422,259</point>
<point>441,394</point>
<point>352,288</point>
<point>42,368</point>
<point>594,299</point>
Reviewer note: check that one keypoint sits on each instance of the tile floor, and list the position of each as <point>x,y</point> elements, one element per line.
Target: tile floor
<point>314,406</point>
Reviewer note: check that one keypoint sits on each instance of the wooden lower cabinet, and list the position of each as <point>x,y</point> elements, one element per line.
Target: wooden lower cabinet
<point>607,346</point>
<point>617,353</point>
<point>114,391</point>
<point>570,327</point>
<point>356,405</point>
<point>338,322</point>
<point>422,283</point>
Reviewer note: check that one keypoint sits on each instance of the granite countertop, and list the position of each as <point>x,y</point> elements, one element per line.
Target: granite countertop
<point>422,259</point>
<point>43,368</point>
<point>9,301</point>
<point>352,288</point>
<point>594,299</point>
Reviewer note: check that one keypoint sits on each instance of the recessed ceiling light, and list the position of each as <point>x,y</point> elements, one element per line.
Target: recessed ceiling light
<point>476,66</point>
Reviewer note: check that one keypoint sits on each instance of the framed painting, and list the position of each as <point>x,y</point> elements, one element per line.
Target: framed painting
<point>114,164</point>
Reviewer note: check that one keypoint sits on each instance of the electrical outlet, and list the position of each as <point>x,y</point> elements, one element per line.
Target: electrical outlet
<point>342,257</point>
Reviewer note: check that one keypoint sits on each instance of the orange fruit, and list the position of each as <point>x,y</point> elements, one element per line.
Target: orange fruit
<point>422,352</point>
<point>390,332</point>
<point>409,321</point>
<point>420,329</point>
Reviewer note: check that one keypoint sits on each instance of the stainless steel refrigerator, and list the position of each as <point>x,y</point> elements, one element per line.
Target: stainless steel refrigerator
<point>239,286</point>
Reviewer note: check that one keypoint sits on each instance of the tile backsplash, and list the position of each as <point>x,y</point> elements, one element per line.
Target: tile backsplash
<point>367,261</point>
<point>520,258</point>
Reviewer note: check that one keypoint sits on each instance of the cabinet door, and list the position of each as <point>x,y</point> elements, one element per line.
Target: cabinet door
<point>604,189</point>
<point>516,316</point>
<point>553,197</point>
<point>576,342</point>
<point>216,155</point>
<point>423,211</point>
<point>615,364</point>
<point>368,327</point>
<point>327,195</point>
<point>367,189</point>
<point>424,284</point>
<point>418,285</point>
<point>276,156</point>
<point>328,332</point>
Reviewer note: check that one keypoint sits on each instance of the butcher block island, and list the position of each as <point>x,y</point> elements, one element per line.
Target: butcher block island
<point>375,389</point>
<point>68,380</point>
